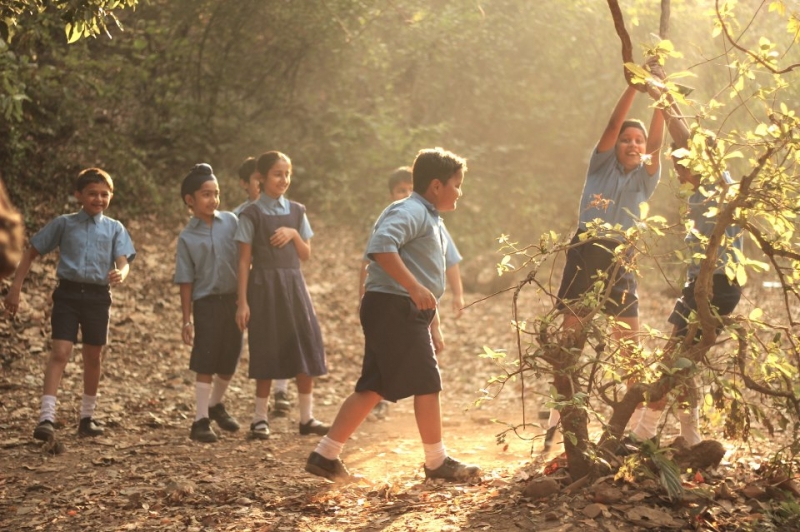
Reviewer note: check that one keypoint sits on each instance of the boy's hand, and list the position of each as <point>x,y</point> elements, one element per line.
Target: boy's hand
<point>115,277</point>
<point>458,306</point>
<point>422,297</point>
<point>282,236</point>
<point>11,302</point>
<point>243,316</point>
<point>188,334</point>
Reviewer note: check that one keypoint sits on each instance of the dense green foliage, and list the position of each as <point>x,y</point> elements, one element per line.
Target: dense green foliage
<point>349,89</point>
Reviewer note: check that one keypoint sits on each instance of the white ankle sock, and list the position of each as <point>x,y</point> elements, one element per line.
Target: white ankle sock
<point>88,404</point>
<point>689,426</point>
<point>262,409</point>
<point>328,448</point>
<point>648,424</point>
<point>555,417</point>
<point>306,402</point>
<point>279,385</point>
<point>435,453</point>
<point>201,393</point>
<point>218,390</point>
<point>47,412</point>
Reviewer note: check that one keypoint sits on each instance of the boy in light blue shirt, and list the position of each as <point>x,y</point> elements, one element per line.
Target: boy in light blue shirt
<point>95,252</point>
<point>206,271</point>
<point>406,278</point>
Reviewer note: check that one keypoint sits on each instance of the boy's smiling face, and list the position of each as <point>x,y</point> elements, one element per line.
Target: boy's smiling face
<point>447,194</point>
<point>94,198</point>
<point>205,200</point>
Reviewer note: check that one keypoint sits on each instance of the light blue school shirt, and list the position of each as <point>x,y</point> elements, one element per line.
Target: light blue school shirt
<point>699,204</point>
<point>271,207</point>
<point>607,180</point>
<point>208,256</point>
<point>451,254</point>
<point>412,228</point>
<point>88,246</point>
<point>238,210</point>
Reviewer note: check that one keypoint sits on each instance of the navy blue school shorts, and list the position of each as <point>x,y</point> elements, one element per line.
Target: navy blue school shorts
<point>217,338</point>
<point>399,359</point>
<point>725,298</point>
<point>580,275</point>
<point>81,306</point>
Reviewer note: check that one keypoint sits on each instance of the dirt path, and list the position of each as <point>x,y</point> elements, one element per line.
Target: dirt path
<point>146,474</point>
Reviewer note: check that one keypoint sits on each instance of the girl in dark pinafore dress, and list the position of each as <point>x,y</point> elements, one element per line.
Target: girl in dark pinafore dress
<point>284,337</point>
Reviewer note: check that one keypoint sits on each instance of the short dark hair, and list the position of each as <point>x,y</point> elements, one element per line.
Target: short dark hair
<point>93,175</point>
<point>633,122</point>
<point>400,175</point>
<point>267,160</point>
<point>436,163</point>
<point>247,168</point>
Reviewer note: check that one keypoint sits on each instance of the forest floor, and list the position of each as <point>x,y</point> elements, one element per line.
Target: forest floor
<point>145,474</point>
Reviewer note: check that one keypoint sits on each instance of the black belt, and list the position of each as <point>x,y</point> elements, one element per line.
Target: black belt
<point>72,286</point>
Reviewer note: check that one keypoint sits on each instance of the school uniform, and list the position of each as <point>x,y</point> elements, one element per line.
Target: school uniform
<point>451,254</point>
<point>238,210</point>
<point>609,194</point>
<point>208,258</point>
<point>399,357</point>
<point>284,336</point>
<point>88,246</point>
<point>726,293</point>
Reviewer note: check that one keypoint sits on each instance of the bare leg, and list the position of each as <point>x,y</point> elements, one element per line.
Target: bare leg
<point>352,413</point>
<point>429,417</point>
<point>91,368</point>
<point>59,356</point>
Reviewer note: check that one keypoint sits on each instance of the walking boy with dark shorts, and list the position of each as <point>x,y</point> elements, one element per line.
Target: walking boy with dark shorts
<point>95,252</point>
<point>406,277</point>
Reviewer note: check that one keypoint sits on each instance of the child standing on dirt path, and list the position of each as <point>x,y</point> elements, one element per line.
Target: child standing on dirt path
<point>401,186</point>
<point>205,269</point>
<point>95,252</point>
<point>406,278</point>
<point>274,304</point>
<point>250,180</point>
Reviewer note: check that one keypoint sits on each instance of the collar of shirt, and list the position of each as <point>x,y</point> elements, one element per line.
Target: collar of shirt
<point>428,205</point>
<point>83,216</point>
<point>271,203</point>
<point>195,221</point>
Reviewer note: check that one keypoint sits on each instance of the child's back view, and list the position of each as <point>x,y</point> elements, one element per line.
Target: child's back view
<point>95,252</point>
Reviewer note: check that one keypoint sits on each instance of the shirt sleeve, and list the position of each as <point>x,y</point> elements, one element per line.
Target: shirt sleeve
<point>600,160</point>
<point>184,266</point>
<point>244,231</point>
<point>49,237</point>
<point>305,228</point>
<point>451,254</point>
<point>392,230</point>
<point>123,245</point>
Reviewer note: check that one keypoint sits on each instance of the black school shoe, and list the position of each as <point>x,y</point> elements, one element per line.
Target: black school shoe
<point>281,404</point>
<point>323,467</point>
<point>314,427</point>
<point>224,420</point>
<point>89,427</point>
<point>452,469</point>
<point>259,430</point>
<point>45,430</point>
<point>201,431</point>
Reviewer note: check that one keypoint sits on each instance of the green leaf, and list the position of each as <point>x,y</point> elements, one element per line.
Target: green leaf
<point>755,314</point>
